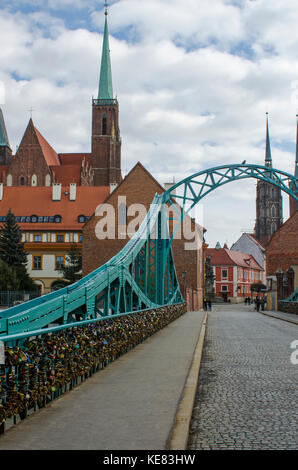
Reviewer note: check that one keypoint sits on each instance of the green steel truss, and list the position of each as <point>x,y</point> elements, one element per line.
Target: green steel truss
<point>142,275</point>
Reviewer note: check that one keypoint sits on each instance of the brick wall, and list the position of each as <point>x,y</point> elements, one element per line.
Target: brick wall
<point>282,250</point>
<point>140,187</point>
<point>29,160</point>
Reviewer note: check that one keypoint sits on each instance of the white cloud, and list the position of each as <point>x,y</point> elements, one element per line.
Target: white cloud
<point>188,99</point>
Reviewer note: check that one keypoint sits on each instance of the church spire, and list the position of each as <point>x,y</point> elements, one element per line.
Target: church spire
<point>105,90</point>
<point>3,133</point>
<point>268,159</point>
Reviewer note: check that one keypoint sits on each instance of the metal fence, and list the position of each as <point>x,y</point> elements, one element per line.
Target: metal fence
<point>11,298</point>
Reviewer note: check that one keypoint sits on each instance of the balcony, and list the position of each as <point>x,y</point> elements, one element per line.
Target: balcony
<point>108,102</point>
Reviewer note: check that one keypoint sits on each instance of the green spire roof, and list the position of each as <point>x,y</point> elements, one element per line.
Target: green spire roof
<point>3,134</point>
<point>268,159</point>
<point>105,90</point>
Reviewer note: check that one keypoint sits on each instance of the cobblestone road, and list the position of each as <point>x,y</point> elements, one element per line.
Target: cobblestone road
<point>247,395</point>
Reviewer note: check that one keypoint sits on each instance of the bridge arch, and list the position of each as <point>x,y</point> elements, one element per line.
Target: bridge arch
<point>199,185</point>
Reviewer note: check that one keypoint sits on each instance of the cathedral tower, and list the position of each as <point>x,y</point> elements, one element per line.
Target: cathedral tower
<point>106,141</point>
<point>269,216</point>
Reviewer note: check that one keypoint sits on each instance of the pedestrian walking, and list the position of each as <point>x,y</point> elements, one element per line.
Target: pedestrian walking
<point>209,305</point>
<point>263,301</point>
<point>205,304</point>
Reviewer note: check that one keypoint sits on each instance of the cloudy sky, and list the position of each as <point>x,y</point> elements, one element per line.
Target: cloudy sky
<point>194,79</point>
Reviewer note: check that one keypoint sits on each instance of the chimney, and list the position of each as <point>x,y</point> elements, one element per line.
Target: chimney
<point>1,191</point>
<point>113,186</point>
<point>169,185</point>
<point>56,193</point>
<point>73,192</point>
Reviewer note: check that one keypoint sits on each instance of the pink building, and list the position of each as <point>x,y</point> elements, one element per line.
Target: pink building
<point>234,273</point>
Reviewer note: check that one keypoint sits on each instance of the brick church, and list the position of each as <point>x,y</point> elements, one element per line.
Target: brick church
<point>282,247</point>
<point>54,195</point>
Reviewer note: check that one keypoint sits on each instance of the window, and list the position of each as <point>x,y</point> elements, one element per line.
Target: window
<point>81,238</point>
<point>34,219</point>
<point>37,262</point>
<point>81,219</point>
<point>224,288</point>
<point>37,237</point>
<point>60,238</point>
<point>104,124</point>
<point>22,181</point>
<point>57,219</point>
<point>34,180</point>
<point>60,261</point>
<point>224,274</point>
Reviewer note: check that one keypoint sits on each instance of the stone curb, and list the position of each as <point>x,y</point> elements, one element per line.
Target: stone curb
<point>178,438</point>
<point>279,318</point>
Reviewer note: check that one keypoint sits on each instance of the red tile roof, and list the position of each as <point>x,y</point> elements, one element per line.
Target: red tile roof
<point>225,257</point>
<point>74,158</point>
<point>27,201</point>
<point>67,174</point>
<point>49,153</point>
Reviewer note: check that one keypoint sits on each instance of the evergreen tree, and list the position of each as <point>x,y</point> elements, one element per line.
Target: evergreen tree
<point>8,278</point>
<point>11,248</point>
<point>72,271</point>
<point>13,254</point>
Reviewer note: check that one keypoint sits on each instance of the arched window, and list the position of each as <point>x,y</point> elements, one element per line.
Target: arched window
<point>104,124</point>
<point>22,181</point>
<point>48,180</point>
<point>34,180</point>
<point>273,212</point>
<point>9,180</point>
<point>273,228</point>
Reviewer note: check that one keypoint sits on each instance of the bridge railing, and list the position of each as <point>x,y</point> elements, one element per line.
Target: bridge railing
<point>42,365</point>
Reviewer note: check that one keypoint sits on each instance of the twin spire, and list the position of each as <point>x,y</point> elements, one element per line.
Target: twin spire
<point>105,89</point>
<point>268,159</point>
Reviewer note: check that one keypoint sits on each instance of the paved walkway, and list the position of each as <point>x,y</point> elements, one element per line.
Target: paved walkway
<point>129,405</point>
<point>291,317</point>
<point>247,393</point>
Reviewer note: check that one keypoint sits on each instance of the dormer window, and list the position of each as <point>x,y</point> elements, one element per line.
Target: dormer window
<point>82,219</point>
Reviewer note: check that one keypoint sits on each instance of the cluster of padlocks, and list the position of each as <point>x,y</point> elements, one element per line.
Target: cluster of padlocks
<point>47,366</point>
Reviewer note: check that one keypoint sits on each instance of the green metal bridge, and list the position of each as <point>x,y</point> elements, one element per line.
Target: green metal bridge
<point>142,275</point>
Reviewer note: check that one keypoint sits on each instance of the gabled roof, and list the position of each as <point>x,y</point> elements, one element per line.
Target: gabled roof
<point>225,257</point>
<point>256,241</point>
<point>33,136</point>
<point>50,155</point>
